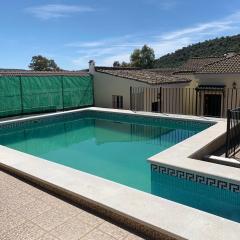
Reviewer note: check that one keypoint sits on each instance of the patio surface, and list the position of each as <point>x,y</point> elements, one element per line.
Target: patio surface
<point>27,212</point>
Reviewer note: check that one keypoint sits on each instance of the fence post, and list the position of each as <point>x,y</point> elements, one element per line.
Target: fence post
<point>228,133</point>
<point>131,98</point>
<point>196,103</point>
<point>160,99</point>
<point>62,92</point>
<point>93,91</point>
<point>21,93</point>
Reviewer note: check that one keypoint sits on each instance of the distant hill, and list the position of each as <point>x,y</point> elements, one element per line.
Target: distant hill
<point>216,47</point>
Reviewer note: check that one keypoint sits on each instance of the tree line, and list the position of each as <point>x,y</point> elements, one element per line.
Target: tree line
<point>140,58</point>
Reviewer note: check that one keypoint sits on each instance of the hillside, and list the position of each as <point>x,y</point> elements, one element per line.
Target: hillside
<point>215,47</point>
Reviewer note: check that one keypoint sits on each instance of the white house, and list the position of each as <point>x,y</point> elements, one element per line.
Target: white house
<point>112,86</point>
<point>202,86</point>
<point>216,81</point>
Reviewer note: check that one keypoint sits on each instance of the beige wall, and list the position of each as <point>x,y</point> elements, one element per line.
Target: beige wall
<point>231,97</point>
<point>193,83</point>
<point>218,79</point>
<point>106,85</point>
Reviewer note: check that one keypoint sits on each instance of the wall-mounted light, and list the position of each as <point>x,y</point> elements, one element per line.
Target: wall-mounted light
<point>234,85</point>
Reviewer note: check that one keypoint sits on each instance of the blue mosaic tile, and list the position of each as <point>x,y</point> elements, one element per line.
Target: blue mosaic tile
<point>196,178</point>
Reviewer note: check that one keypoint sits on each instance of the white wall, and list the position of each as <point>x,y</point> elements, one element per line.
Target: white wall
<point>218,79</point>
<point>106,85</point>
<point>231,97</point>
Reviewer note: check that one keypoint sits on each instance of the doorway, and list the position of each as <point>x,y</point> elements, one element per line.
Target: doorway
<point>156,107</point>
<point>212,105</point>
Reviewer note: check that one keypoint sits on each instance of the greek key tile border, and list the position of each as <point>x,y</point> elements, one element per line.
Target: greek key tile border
<point>196,178</point>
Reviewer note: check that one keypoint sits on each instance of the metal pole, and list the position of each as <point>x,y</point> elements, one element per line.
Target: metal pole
<point>228,133</point>
<point>131,98</point>
<point>160,98</point>
<point>21,93</point>
<point>62,93</point>
<point>196,110</point>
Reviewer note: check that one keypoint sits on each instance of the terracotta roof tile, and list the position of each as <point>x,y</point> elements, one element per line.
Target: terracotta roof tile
<point>163,71</point>
<point>195,64</point>
<point>145,76</point>
<point>226,65</point>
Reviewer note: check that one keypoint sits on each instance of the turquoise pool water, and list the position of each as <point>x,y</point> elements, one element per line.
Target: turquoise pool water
<point>116,147</point>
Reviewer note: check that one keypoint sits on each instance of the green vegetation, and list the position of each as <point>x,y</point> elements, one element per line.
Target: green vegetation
<point>40,63</point>
<point>116,64</point>
<point>144,58</point>
<point>216,47</point>
<point>141,58</point>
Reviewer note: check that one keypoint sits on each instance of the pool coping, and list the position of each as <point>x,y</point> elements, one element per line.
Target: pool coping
<point>171,218</point>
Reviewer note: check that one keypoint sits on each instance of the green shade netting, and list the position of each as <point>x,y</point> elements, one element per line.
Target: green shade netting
<point>77,91</point>
<point>41,93</point>
<point>28,94</point>
<point>10,96</point>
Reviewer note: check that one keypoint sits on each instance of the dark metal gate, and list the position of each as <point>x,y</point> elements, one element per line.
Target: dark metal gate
<point>233,132</point>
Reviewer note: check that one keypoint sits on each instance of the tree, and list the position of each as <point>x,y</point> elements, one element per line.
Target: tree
<point>143,58</point>
<point>40,63</point>
<point>125,64</point>
<point>147,57</point>
<point>116,64</point>
<point>135,58</point>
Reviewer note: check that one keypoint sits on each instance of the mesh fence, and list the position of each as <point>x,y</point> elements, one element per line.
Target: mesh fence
<point>77,92</point>
<point>10,96</point>
<point>41,93</point>
<point>29,94</point>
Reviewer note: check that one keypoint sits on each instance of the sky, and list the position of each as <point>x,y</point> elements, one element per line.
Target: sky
<point>72,32</point>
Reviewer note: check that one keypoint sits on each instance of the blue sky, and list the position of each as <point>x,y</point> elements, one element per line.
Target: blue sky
<point>73,32</point>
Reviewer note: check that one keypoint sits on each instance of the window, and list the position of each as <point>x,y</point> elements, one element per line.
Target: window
<point>117,101</point>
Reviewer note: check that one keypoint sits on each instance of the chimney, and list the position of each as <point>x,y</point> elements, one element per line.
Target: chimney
<point>229,54</point>
<point>91,66</point>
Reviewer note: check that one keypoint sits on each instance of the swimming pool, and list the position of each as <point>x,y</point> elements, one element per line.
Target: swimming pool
<point>116,147</point>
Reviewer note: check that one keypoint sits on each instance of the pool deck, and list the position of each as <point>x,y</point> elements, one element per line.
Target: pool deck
<point>168,218</point>
<point>29,213</point>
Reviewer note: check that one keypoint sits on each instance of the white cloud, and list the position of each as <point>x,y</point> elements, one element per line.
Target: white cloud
<point>210,28</point>
<point>86,44</point>
<point>207,28</point>
<point>162,4</point>
<point>50,11</point>
<point>106,51</point>
<point>167,5</point>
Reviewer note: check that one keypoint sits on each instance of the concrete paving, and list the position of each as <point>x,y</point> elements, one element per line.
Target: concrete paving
<point>28,213</point>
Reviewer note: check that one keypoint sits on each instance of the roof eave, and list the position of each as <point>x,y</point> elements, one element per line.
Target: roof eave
<point>149,83</point>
